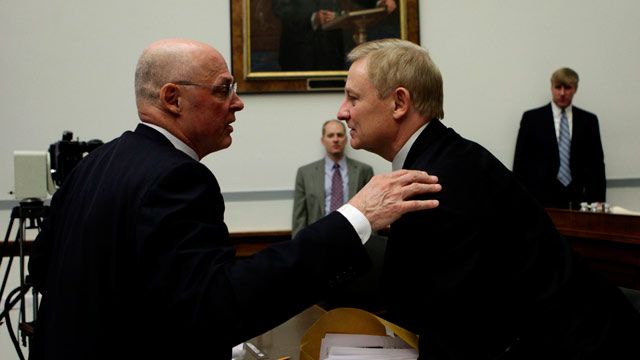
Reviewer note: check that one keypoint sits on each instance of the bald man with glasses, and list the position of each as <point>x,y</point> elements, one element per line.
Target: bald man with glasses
<point>135,259</point>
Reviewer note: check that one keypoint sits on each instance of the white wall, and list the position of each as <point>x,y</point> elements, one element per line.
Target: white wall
<point>497,57</point>
<point>68,65</point>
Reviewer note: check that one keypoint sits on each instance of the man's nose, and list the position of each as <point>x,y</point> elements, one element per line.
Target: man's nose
<point>238,104</point>
<point>342,113</point>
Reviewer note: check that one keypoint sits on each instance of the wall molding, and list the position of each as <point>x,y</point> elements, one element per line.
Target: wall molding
<point>258,195</point>
<point>623,183</point>
<point>229,196</point>
<point>284,194</point>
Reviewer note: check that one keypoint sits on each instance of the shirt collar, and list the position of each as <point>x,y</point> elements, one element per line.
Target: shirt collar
<point>328,163</point>
<point>557,110</point>
<point>177,143</point>
<point>401,156</point>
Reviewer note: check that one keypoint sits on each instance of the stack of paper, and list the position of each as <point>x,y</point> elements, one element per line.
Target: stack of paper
<point>237,353</point>
<point>365,347</point>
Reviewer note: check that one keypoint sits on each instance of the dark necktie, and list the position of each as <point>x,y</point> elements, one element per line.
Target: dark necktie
<point>337,195</point>
<point>564,150</point>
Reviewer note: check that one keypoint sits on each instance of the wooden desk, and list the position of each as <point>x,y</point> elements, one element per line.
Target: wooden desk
<point>284,340</point>
<point>610,242</point>
<point>250,242</point>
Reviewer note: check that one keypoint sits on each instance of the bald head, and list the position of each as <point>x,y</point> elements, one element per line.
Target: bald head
<point>170,60</point>
<point>185,87</point>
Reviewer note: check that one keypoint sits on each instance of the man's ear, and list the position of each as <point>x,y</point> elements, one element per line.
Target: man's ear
<point>402,102</point>
<point>170,97</point>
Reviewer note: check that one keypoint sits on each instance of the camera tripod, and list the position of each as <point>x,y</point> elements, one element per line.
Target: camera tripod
<point>30,214</point>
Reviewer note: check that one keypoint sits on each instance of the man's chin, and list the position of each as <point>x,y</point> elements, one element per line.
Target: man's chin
<point>225,144</point>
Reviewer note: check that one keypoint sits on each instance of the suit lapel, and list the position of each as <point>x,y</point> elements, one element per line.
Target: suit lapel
<point>430,133</point>
<point>578,128</point>
<point>548,136</point>
<point>549,127</point>
<point>152,133</point>
<point>353,172</point>
<point>317,179</point>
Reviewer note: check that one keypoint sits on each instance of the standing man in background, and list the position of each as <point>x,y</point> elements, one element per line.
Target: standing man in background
<point>558,155</point>
<point>314,194</point>
<point>485,275</point>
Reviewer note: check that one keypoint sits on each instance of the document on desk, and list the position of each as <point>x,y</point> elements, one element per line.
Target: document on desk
<point>365,347</point>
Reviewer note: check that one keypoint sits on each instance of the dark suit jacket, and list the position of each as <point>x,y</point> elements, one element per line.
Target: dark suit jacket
<point>487,271</point>
<point>135,261</point>
<point>309,194</point>
<point>536,159</point>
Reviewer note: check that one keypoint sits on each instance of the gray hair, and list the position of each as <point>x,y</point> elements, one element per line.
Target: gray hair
<point>158,66</point>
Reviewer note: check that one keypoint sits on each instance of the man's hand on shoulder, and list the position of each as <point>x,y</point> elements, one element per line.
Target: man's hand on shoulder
<point>385,198</point>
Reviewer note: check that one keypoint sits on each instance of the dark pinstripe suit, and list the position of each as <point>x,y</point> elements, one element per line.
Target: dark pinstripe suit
<point>135,261</point>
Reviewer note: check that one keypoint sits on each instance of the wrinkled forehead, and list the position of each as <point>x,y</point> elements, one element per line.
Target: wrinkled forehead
<point>358,76</point>
<point>212,65</point>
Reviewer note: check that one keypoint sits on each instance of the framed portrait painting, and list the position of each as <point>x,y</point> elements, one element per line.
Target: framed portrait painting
<point>301,45</point>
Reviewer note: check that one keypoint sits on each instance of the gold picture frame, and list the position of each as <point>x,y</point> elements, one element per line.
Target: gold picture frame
<point>256,37</point>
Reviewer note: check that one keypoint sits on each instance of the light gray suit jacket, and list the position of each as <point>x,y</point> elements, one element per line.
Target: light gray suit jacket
<point>309,196</point>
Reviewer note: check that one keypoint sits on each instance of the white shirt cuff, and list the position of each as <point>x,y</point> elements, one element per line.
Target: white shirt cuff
<point>357,219</point>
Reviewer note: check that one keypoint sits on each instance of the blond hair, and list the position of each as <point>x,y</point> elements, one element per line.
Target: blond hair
<point>395,62</point>
<point>565,76</point>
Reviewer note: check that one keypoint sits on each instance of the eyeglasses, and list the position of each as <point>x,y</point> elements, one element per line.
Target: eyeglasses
<point>224,89</point>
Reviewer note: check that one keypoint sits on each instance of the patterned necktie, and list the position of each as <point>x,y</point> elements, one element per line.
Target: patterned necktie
<point>564,150</point>
<point>337,195</point>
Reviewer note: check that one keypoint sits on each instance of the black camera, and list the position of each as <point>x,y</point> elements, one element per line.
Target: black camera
<point>67,153</point>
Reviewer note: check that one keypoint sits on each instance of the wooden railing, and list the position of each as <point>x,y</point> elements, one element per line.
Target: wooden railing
<point>610,242</point>
<point>248,243</point>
